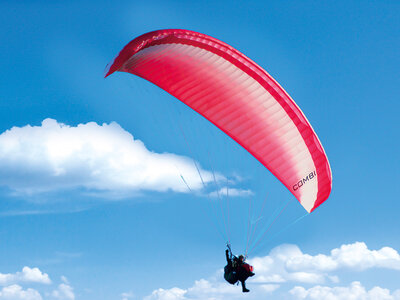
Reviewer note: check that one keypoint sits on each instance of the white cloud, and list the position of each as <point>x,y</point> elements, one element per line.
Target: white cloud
<point>171,294</point>
<point>95,157</point>
<point>354,256</point>
<point>287,265</point>
<point>353,292</point>
<point>358,256</point>
<point>34,275</point>
<point>126,296</point>
<point>27,275</point>
<point>273,267</point>
<point>12,290</point>
<point>269,288</point>
<point>64,291</point>
<point>231,192</point>
<point>15,292</point>
<point>306,277</point>
<point>212,289</point>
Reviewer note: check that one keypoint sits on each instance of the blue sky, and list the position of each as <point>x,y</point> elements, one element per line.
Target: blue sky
<point>94,227</point>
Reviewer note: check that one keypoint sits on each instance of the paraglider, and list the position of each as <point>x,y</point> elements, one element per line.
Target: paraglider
<point>241,99</point>
<point>236,270</point>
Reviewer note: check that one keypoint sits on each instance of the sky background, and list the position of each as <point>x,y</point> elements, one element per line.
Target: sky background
<point>86,213</point>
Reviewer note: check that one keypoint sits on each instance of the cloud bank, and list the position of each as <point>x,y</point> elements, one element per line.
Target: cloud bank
<point>14,286</point>
<point>285,273</point>
<point>355,256</point>
<point>289,263</point>
<point>94,157</point>
<point>282,273</point>
<point>354,291</point>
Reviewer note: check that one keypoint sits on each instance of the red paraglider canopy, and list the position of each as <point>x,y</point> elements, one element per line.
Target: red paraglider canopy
<point>240,98</point>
